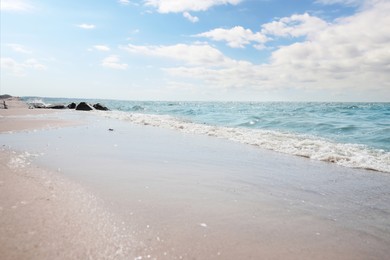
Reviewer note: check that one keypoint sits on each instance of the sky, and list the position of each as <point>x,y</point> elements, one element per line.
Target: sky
<point>227,50</point>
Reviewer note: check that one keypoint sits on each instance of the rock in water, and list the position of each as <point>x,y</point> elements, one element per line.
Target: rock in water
<point>72,105</point>
<point>84,106</point>
<point>99,106</point>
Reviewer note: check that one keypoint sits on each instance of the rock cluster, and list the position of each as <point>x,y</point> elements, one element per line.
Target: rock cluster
<point>83,106</point>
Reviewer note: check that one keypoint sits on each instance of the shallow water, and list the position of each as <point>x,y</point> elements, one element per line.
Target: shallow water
<point>355,135</point>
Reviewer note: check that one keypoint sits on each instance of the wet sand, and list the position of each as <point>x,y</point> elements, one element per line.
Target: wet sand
<point>19,117</point>
<point>42,214</point>
<point>182,196</point>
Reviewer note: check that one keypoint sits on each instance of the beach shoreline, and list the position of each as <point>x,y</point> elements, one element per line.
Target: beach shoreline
<point>16,115</point>
<point>183,196</point>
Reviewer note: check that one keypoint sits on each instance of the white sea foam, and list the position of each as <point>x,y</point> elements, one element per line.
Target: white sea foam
<point>21,160</point>
<point>349,155</point>
<point>37,100</point>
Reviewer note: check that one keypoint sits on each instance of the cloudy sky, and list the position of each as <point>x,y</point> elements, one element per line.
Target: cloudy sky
<point>258,50</point>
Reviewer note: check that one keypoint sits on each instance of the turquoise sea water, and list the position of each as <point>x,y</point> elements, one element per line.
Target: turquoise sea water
<point>350,134</point>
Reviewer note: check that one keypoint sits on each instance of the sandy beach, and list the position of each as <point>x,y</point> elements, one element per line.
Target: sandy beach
<point>72,189</point>
<point>19,117</point>
<point>43,215</point>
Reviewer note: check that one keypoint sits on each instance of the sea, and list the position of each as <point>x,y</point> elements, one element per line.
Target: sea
<point>355,135</point>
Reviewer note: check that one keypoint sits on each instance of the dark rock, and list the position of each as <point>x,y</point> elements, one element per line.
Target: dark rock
<point>99,106</point>
<point>72,105</point>
<point>84,106</point>
<point>5,96</point>
<point>56,106</point>
<point>110,129</point>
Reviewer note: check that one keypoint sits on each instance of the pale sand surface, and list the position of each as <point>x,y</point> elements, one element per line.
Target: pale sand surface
<point>18,107</point>
<point>19,117</point>
<point>183,196</point>
<point>44,216</point>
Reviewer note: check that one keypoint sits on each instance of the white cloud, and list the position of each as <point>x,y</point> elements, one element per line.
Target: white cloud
<point>128,2</point>
<point>34,64</point>
<point>124,2</point>
<point>236,37</point>
<point>350,55</point>
<point>343,2</point>
<point>175,6</point>
<point>86,26</point>
<point>113,62</point>
<point>295,26</point>
<point>10,64</point>
<point>350,48</point>
<point>20,68</point>
<point>190,18</point>
<point>242,75</point>
<point>16,5</point>
<point>193,55</point>
<point>19,48</point>
<point>101,48</point>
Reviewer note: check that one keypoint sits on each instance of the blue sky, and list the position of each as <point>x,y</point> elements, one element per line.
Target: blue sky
<point>258,50</point>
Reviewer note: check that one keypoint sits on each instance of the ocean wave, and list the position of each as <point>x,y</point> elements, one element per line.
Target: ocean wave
<point>348,155</point>
<point>137,108</point>
<point>37,100</point>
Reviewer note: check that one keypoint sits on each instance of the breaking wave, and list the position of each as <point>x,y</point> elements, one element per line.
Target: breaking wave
<point>313,147</point>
